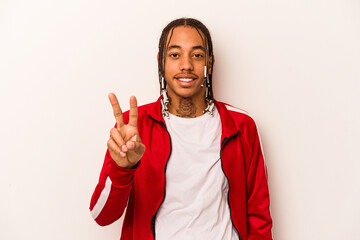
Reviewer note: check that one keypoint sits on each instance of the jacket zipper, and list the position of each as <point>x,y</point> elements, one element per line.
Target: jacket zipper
<point>152,223</point>
<point>228,201</point>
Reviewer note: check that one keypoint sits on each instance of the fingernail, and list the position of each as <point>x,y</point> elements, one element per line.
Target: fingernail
<point>122,154</point>
<point>124,148</point>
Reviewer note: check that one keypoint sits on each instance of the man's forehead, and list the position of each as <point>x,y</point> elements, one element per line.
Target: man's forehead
<point>185,36</point>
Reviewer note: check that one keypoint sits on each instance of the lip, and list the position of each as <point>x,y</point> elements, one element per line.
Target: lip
<point>186,76</point>
<point>185,80</point>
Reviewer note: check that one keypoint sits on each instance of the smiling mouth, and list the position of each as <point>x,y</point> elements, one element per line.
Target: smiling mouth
<point>186,79</point>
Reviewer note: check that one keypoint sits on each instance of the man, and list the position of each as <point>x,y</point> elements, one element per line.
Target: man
<point>202,175</point>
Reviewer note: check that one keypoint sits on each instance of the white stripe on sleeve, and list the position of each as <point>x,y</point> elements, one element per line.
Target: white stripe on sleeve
<point>102,199</point>
<point>234,109</point>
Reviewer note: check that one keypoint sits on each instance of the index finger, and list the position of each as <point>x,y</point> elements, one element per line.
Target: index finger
<point>117,110</point>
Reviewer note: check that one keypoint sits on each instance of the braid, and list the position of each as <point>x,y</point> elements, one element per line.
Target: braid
<point>163,45</point>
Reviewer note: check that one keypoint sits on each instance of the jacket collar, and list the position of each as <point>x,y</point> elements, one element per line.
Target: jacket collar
<point>227,122</point>
<point>155,111</point>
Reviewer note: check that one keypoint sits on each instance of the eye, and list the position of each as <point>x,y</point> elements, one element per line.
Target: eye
<point>198,55</point>
<point>174,55</point>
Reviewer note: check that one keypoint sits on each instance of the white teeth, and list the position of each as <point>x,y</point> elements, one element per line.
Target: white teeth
<point>186,79</point>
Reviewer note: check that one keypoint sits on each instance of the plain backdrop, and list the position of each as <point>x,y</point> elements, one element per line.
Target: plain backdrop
<point>293,65</point>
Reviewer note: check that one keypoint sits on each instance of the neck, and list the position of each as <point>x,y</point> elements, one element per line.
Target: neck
<point>186,107</point>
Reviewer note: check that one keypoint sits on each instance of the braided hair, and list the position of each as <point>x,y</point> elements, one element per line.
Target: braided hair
<point>164,43</point>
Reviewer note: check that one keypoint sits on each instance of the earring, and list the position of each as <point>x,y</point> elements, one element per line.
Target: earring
<point>210,103</point>
<point>164,99</point>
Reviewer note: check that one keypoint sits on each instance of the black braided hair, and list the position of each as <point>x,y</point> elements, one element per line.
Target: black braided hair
<point>163,45</point>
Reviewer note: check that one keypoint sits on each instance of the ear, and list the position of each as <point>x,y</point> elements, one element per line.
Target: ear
<point>211,63</point>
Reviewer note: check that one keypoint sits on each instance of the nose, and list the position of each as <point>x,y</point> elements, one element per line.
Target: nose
<point>186,64</point>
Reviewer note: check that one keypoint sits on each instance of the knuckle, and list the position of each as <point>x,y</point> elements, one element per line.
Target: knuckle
<point>113,131</point>
<point>118,114</point>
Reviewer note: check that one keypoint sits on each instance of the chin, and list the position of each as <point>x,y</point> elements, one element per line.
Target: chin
<point>188,94</point>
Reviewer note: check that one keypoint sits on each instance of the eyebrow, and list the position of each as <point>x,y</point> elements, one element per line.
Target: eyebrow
<point>179,47</point>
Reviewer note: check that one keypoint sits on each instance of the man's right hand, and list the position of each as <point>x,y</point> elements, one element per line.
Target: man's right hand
<point>124,144</point>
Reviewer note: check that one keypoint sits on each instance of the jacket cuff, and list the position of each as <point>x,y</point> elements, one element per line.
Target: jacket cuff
<point>121,176</point>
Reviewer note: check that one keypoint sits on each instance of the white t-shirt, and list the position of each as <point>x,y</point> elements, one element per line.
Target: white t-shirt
<point>196,199</point>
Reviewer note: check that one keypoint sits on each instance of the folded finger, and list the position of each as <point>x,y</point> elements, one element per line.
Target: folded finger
<point>112,146</point>
<point>117,138</point>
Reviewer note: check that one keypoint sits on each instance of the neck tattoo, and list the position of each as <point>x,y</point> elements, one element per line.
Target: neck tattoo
<point>186,108</point>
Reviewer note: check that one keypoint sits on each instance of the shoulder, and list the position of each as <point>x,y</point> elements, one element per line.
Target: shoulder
<point>239,116</point>
<point>147,109</point>
<point>143,111</point>
<point>241,120</point>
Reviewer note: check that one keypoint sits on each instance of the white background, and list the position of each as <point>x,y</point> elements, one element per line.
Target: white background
<point>294,65</point>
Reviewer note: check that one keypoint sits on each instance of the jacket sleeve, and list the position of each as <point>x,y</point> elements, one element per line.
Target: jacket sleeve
<point>111,193</point>
<point>258,200</point>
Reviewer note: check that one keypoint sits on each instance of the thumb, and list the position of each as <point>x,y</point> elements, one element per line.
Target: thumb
<point>133,142</point>
<point>134,138</point>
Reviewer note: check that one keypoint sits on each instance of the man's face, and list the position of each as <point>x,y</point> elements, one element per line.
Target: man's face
<point>184,64</point>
